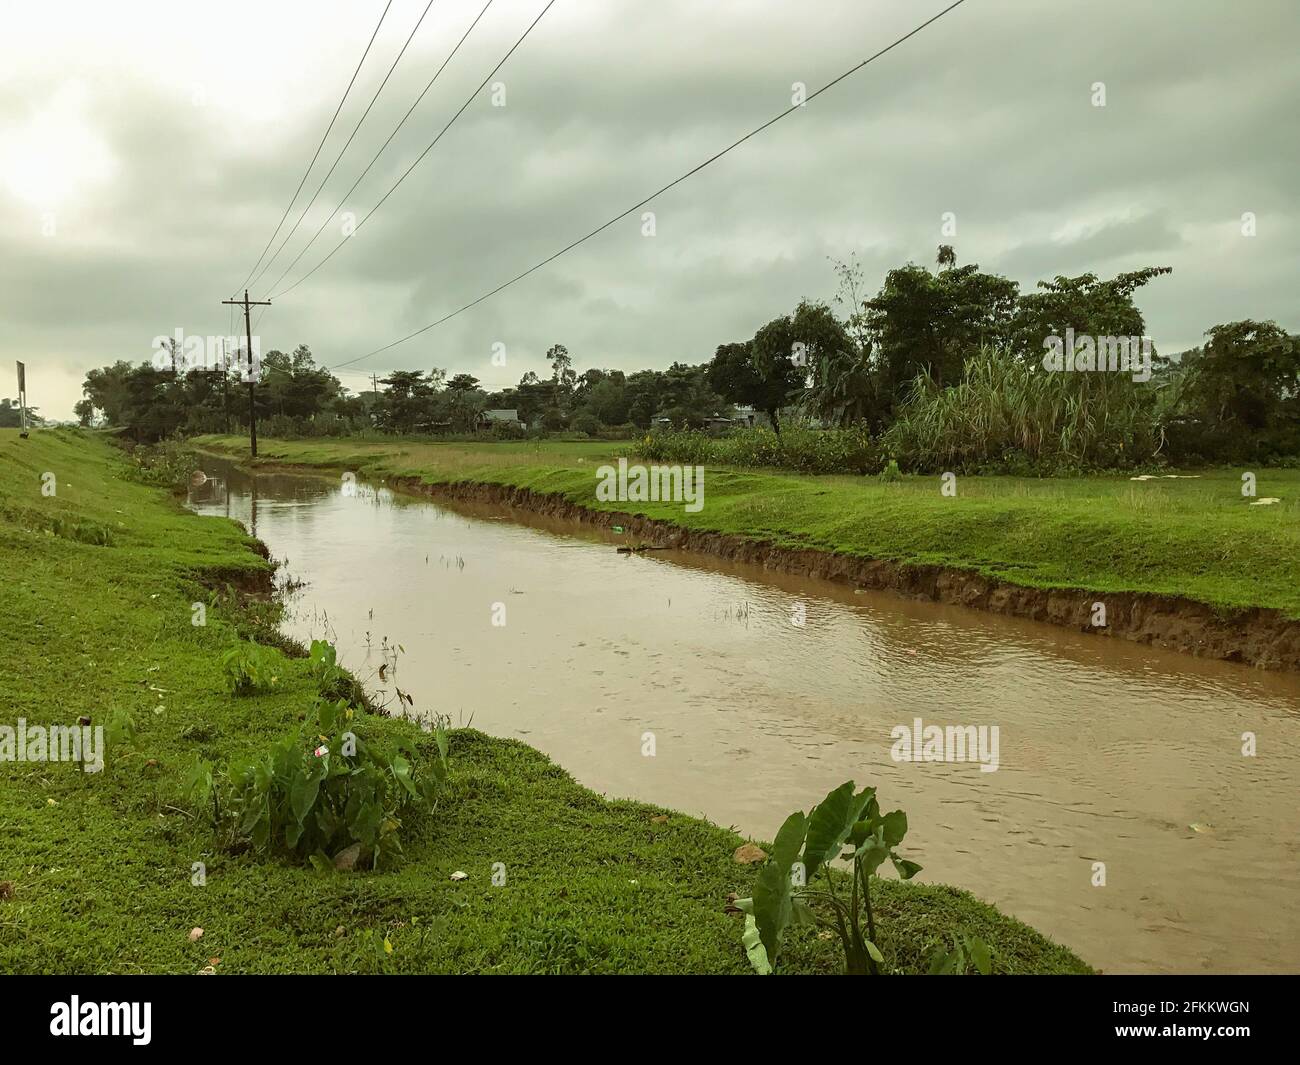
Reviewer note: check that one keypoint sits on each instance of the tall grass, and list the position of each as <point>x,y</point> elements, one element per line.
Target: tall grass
<point>1010,415</point>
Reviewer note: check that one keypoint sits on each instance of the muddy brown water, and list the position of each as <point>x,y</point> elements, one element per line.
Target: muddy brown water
<point>1108,752</point>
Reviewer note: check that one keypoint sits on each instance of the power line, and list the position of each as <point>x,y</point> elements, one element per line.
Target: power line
<point>342,151</point>
<point>289,205</point>
<point>375,158</point>
<point>420,158</point>
<point>637,206</point>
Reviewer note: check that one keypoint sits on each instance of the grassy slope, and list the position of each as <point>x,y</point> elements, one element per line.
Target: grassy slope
<point>1196,538</point>
<point>100,865</point>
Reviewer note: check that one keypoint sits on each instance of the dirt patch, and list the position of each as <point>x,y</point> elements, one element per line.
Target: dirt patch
<point>1259,637</point>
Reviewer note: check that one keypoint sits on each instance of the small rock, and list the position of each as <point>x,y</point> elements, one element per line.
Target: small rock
<point>346,859</point>
<point>459,875</point>
<point>748,854</point>
<point>207,970</point>
<point>196,934</point>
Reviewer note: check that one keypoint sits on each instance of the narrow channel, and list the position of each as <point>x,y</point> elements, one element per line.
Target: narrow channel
<point>762,690</point>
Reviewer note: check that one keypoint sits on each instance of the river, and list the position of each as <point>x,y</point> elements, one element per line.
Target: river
<point>758,691</point>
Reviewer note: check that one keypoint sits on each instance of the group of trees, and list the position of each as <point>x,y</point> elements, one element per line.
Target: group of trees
<point>295,396</point>
<point>11,415</point>
<point>152,403</point>
<point>1237,395</point>
<point>859,361</point>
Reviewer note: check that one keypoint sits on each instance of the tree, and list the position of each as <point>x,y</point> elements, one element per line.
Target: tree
<point>407,400</point>
<point>761,372</point>
<point>921,322</point>
<point>1085,304</point>
<point>562,380</point>
<point>463,402</point>
<point>11,415</point>
<point>1238,396</point>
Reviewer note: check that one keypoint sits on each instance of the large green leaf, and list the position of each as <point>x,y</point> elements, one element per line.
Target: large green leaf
<point>772,909</point>
<point>302,793</point>
<point>895,827</point>
<point>980,956</point>
<point>789,839</point>
<point>830,823</point>
<point>402,772</point>
<point>754,949</point>
<point>906,869</point>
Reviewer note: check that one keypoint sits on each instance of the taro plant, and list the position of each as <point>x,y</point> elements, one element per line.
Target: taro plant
<point>805,847</point>
<point>323,661</point>
<point>323,794</point>
<point>967,951</point>
<point>250,667</point>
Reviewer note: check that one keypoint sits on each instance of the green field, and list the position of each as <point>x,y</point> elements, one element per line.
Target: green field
<point>1193,536</point>
<point>96,869</point>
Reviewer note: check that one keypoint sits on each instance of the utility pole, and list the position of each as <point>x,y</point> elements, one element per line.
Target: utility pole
<point>248,335</point>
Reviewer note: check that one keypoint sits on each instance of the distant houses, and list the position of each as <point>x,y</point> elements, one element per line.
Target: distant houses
<point>508,416</point>
<point>741,418</point>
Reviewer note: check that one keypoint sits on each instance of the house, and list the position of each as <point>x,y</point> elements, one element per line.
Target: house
<point>748,416</point>
<point>508,416</point>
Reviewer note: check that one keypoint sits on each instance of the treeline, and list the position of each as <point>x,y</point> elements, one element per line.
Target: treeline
<point>943,367</point>
<point>295,397</point>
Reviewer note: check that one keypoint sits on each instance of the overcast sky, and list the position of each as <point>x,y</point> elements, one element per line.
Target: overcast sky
<point>147,151</point>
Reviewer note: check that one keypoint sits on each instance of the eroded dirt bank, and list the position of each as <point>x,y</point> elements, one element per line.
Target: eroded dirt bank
<point>1259,637</point>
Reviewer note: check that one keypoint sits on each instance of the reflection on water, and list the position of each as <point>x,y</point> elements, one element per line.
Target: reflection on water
<point>1109,752</point>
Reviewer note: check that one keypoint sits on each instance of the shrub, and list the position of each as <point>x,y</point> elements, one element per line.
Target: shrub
<point>318,793</point>
<point>797,447</point>
<point>805,847</point>
<point>250,667</point>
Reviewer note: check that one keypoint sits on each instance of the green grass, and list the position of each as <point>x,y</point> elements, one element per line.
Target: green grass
<point>1194,536</point>
<point>99,866</point>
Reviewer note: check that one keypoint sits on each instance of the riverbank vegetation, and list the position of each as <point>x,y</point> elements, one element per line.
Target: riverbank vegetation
<point>122,870</point>
<point>1193,536</point>
<point>944,369</point>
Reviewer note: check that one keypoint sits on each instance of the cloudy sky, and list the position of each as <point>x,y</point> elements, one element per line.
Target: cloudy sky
<point>147,151</point>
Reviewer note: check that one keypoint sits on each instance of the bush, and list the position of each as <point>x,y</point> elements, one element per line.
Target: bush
<point>797,447</point>
<point>1007,415</point>
<point>250,667</point>
<point>318,793</point>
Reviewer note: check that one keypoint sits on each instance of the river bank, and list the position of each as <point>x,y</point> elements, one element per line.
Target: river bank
<point>99,870</point>
<point>1183,563</point>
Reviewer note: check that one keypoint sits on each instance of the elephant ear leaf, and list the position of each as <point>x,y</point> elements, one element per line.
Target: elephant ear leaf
<point>754,948</point>
<point>830,823</point>
<point>772,907</point>
<point>895,827</point>
<point>789,839</point>
<point>980,956</point>
<point>906,869</point>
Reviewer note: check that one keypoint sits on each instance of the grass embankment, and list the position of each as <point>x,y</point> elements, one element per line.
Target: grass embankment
<point>96,616</point>
<point>1195,536</point>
